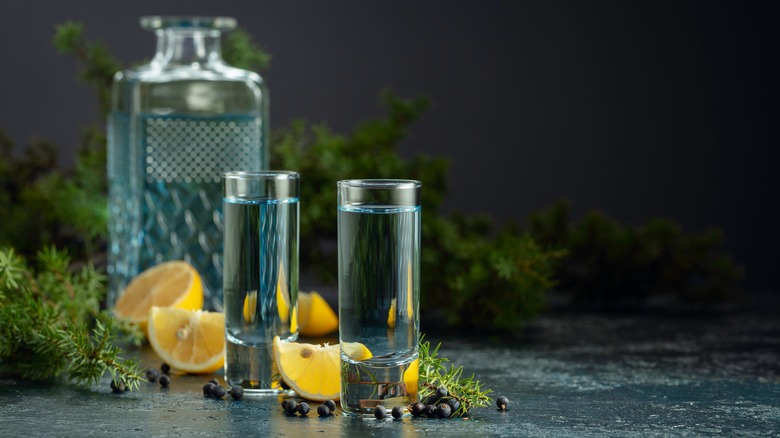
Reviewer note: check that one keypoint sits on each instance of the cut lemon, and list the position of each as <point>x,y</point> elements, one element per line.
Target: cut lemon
<point>175,284</point>
<point>250,306</point>
<point>313,371</point>
<point>315,316</point>
<point>282,304</point>
<point>412,377</point>
<point>188,340</point>
<point>282,297</point>
<point>356,350</point>
<point>391,314</point>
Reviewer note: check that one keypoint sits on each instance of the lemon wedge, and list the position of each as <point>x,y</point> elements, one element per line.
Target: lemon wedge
<point>188,340</point>
<point>312,371</point>
<point>315,316</point>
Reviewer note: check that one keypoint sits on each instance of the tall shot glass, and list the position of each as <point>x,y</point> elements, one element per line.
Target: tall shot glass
<point>379,292</point>
<point>260,276</point>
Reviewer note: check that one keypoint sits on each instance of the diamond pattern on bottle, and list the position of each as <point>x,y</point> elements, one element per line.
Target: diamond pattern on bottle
<point>196,150</point>
<point>185,158</point>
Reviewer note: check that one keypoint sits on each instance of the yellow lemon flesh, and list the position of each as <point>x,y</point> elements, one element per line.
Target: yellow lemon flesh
<point>312,371</point>
<point>188,340</point>
<point>356,350</point>
<point>250,306</point>
<point>282,297</point>
<point>391,314</point>
<point>282,304</point>
<point>174,284</point>
<point>315,316</point>
<point>412,377</point>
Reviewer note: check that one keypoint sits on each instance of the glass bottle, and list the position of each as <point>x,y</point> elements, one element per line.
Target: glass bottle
<point>176,124</point>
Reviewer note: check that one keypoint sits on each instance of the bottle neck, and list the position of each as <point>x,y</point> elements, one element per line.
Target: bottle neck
<point>188,46</point>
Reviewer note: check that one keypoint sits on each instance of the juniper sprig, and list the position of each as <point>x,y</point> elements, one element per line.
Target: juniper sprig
<point>51,324</point>
<point>434,373</point>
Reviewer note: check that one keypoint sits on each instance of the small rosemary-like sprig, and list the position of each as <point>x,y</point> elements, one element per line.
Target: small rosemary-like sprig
<point>434,373</point>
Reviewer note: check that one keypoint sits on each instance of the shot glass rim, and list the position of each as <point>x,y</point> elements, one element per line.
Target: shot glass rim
<point>260,174</point>
<point>380,183</point>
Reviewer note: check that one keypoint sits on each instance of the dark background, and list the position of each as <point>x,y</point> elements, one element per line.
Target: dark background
<point>640,109</point>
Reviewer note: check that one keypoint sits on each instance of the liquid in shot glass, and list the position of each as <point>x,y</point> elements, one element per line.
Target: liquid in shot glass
<point>260,275</point>
<point>379,292</point>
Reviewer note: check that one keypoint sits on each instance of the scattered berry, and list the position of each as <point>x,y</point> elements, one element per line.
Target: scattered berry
<point>397,412</point>
<point>430,411</point>
<point>236,392</point>
<point>331,405</point>
<point>380,412</point>
<point>454,405</point>
<point>417,409</point>
<point>165,368</point>
<point>303,408</point>
<point>502,402</point>
<point>441,392</point>
<point>218,391</point>
<point>152,374</point>
<point>208,389</point>
<point>443,411</point>
<point>165,380</point>
<point>284,405</point>
<point>118,387</point>
<point>291,407</point>
<point>214,381</point>
<point>323,411</point>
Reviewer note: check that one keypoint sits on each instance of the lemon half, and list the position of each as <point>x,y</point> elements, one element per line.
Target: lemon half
<point>174,284</point>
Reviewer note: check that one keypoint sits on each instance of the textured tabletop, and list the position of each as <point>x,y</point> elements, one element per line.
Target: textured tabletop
<point>566,376</point>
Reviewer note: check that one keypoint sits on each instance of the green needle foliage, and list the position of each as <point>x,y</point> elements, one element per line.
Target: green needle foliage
<point>99,65</point>
<point>241,52</point>
<point>481,279</point>
<point>51,323</point>
<point>617,266</point>
<point>45,205</point>
<point>435,373</point>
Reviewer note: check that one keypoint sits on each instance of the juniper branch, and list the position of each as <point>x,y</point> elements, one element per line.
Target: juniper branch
<point>435,373</point>
<point>51,323</point>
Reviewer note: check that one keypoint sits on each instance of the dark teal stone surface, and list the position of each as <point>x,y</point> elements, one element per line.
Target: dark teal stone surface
<point>625,376</point>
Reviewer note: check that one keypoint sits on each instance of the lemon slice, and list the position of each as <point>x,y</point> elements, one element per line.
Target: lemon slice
<point>315,316</point>
<point>188,340</point>
<point>356,350</point>
<point>175,284</point>
<point>313,371</point>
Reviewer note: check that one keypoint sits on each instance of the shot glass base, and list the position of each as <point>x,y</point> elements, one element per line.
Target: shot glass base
<point>252,368</point>
<point>364,386</point>
<point>255,391</point>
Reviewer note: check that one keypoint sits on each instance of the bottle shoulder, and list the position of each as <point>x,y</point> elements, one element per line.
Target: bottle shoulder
<point>151,73</point>
<point>218,89</point>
